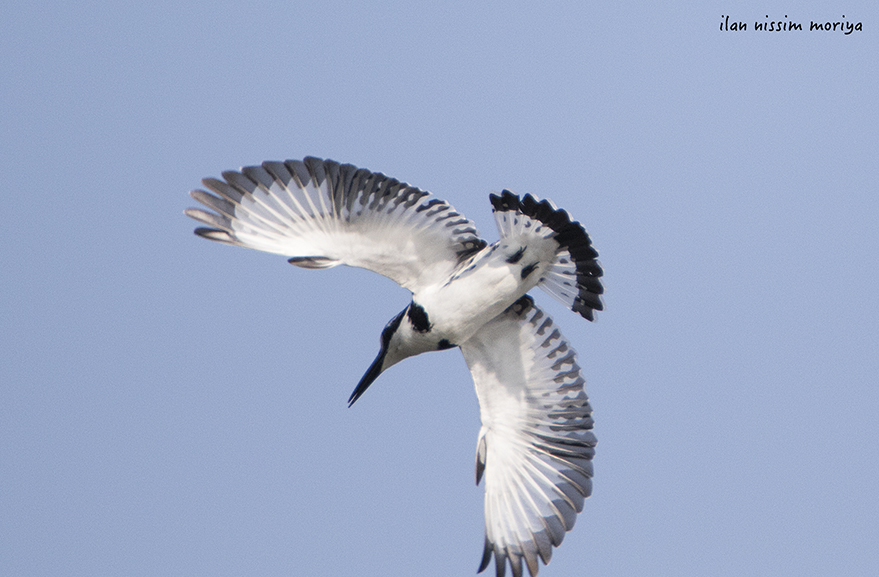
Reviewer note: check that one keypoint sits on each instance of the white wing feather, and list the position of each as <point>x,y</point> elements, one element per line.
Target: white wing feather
<point>323,214</point>
<point>536,443</point>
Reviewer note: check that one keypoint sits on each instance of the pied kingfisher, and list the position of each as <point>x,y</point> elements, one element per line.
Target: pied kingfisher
<point>535,446</point>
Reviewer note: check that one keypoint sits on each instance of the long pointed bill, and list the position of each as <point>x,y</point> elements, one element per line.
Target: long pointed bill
<point>372,373</point>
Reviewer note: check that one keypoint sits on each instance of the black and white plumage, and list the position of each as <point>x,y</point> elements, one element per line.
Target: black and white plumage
<point>536,445</point>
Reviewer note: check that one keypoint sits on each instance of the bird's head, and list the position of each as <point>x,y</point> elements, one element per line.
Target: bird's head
<point>404,336</point>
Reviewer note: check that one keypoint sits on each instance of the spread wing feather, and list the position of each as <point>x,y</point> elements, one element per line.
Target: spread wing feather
<point>536,443</point>
<point>320,213</point>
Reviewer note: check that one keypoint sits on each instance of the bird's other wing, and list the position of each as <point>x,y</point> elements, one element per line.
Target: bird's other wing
<point>536,444</point>
<point>320,213</point>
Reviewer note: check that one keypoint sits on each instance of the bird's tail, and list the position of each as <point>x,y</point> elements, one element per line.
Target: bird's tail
<point>574,279</point>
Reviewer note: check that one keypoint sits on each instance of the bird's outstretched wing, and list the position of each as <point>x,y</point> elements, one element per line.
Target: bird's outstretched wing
<point>321,213</point>
<point>536,444</point>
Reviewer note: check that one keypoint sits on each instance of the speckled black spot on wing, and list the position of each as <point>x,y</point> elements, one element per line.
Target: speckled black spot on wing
<point>469,248</point>
<point>517,256</point>
<point>524,303</point>
<point>527,270</point>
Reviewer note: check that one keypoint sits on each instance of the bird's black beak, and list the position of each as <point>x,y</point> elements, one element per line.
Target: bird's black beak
<point>375,369</point>
<point>372,373</point>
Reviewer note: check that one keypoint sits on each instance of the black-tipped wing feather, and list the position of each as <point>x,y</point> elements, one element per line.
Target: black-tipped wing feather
<point>320,213</point>
<point>536,444</point>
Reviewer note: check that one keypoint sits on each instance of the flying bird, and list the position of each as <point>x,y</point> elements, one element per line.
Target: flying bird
<point>535,446</point>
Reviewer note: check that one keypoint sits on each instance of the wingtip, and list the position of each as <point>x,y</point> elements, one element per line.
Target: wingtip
<point>486,556</point>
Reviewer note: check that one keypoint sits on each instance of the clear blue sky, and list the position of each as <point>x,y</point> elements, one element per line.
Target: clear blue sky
<point>170,406</point>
